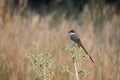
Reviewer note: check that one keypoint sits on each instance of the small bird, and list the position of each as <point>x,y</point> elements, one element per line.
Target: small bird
<point>74,37</point>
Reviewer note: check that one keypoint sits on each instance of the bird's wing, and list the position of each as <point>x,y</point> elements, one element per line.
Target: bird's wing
<point>76,39</point>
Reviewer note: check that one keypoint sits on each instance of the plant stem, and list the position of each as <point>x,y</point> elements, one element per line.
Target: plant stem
<point>70,73</point>
<point>76,71</point>
<point>44,71</point>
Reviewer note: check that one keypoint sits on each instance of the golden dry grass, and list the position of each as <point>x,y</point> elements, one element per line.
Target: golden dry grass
<point>22,36</point>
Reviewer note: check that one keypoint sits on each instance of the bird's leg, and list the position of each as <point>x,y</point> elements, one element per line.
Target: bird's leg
<point>78,46</point>
<point>73,45</point>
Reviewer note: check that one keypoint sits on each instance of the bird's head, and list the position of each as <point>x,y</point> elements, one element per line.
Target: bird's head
<point>71,31</point>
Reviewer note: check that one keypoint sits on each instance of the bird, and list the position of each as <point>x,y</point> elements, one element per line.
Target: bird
<point>74,37</point>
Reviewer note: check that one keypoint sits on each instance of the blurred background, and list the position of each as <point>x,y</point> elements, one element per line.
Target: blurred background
<point>34,26</point>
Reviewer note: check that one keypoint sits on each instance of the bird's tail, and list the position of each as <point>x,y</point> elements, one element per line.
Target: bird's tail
<point>87,53</point>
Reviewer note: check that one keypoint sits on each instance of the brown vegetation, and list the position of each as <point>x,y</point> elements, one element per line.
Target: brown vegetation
<point>34,34</point>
